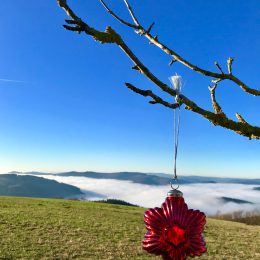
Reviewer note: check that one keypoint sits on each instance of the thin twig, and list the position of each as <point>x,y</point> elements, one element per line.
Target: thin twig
<point>132,13</point>
<point>117,17</point>
<point>215,81</point>
<point>229,64</point>
<point>241,119</point>
<point>172,61</point>
<point>215,104</point>
<point>220,69</point>
<point>150,27</point>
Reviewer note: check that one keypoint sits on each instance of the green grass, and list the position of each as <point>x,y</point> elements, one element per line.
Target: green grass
<point>61,229</point>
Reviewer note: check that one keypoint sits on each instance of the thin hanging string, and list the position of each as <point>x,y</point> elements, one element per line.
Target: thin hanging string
<point>177,85</point>
<point>177,113</point>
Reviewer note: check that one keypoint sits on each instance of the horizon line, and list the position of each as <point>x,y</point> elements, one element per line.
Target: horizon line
<point>106,172</point>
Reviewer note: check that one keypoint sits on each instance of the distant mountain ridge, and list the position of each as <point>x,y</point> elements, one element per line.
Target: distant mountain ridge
<point>151,178</point>
<point>38,187</point>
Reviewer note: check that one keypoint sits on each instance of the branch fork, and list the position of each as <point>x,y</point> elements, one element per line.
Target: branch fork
<point>111,36</point>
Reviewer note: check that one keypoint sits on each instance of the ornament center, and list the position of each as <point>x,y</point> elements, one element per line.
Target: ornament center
<point>175,235</point>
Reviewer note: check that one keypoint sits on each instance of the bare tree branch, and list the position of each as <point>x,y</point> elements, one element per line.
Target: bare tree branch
<point>193,67</point>
<point>156,99</point>
<point>179,58</point>
<point>111,36</point>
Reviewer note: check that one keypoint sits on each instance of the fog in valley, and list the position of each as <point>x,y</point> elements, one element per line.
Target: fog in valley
<point>206,197</point>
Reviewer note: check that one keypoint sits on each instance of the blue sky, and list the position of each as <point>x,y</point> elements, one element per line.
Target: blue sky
<point>71,110</point>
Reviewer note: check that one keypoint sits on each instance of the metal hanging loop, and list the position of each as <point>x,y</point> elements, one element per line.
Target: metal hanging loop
<point>174,182</point>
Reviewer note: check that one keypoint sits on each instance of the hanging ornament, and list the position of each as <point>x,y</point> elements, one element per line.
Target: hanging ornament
<point>174,231</point>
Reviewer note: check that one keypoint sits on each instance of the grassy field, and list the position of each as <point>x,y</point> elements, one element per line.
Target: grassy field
<point>61,229</point>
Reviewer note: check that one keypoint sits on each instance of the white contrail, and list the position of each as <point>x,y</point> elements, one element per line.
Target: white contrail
<point>12,80</point>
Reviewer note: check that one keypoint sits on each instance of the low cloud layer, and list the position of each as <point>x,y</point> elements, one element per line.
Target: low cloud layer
<point>198,196</point>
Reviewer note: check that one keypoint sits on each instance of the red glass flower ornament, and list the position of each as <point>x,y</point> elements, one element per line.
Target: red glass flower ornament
<point>174,231</point>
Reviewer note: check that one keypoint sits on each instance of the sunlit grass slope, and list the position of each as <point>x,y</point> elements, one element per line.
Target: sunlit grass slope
<point>61,229</point>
